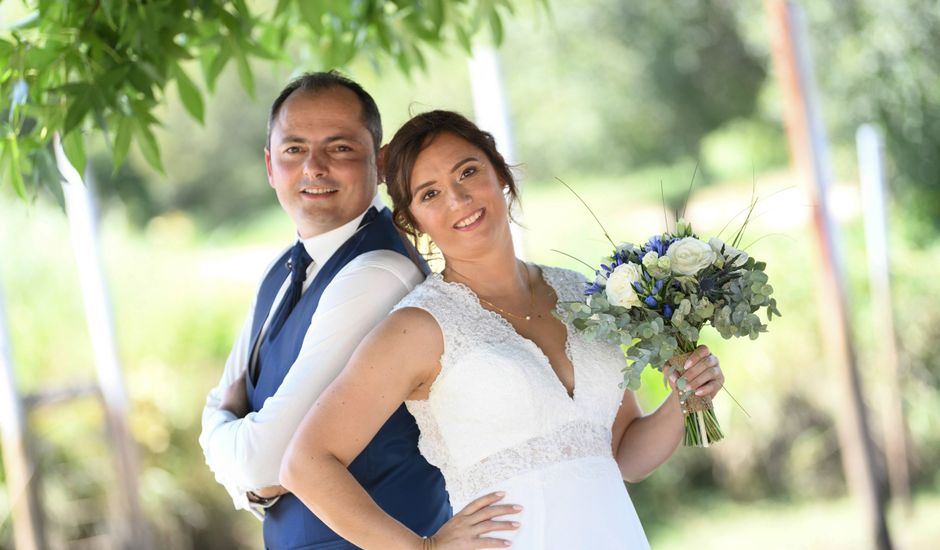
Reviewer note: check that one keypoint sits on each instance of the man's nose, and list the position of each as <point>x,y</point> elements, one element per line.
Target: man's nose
<point>315,166</point>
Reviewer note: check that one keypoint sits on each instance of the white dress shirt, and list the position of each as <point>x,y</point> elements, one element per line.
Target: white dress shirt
<point>245,453</point>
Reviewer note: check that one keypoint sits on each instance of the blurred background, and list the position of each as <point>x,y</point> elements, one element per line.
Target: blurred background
<point>621,100</point>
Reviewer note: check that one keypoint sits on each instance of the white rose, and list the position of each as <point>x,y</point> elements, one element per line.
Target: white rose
<point>730,251</point>
<point>620,291</point>
<point>689,255</point>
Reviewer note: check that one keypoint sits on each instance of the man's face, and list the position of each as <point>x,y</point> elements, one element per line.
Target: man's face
<point>321,161</point>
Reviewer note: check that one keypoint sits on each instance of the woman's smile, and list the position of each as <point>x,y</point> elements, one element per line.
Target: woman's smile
<point>472,221</point>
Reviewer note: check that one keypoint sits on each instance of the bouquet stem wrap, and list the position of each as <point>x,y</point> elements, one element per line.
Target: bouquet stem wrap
<point>701,424</point>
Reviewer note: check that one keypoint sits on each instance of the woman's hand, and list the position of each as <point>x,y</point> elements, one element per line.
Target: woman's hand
<point>465,530</point>
<point>702,373</point>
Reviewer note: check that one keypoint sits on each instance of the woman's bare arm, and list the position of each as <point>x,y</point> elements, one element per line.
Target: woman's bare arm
<point>397,361</point>
<point>641,443</point>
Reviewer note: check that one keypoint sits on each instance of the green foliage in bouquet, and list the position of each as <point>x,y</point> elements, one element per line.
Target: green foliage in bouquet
<point>654,303</point>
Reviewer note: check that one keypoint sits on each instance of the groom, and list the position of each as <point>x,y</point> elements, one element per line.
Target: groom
<point>347,268</point>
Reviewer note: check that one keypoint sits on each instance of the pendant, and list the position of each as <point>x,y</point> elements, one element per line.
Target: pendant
<point>528,317</point>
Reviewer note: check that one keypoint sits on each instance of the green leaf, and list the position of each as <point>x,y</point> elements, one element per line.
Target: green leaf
<point>282,5</point>
<point>73,144</point>
<point>244,73</point>
<point>214,68</point>
<point>496,26</point>
<point>78,108</point>
<point>312,14</point>
<point>189,94</point>
<point>464,39</point>
<point>148,146</point>
<point>5,50</point>
<point>122,142</point>
<point>11,157</point>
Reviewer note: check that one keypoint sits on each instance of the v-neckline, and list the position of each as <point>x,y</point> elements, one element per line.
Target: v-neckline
<point>540,354</point>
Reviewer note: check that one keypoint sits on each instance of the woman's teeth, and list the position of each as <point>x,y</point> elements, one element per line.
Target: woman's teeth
<point>470,219</point>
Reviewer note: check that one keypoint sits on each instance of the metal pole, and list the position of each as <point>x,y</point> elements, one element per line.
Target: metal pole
<point>871,174</point>
<point>19,466</point>
<point>127,527</point>
<point>809,151</point>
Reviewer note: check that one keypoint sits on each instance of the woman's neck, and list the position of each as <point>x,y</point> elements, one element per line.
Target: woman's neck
<point>496,274</point>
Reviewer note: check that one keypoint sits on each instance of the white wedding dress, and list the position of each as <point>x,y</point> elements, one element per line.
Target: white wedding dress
<point>499,419</point>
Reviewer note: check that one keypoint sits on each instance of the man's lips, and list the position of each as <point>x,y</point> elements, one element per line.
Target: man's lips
<point>318,192</point>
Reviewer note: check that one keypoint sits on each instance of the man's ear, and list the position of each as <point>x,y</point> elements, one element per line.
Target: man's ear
<point>267,165</point>
<point>380,163</point>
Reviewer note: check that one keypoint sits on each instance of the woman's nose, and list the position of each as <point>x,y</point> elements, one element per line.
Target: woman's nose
<point>459,194</point>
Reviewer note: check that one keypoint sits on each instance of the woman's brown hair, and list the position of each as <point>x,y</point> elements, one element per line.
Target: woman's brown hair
<point>416,134</point>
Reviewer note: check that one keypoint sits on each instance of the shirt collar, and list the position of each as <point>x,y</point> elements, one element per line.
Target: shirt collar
<point>322,246</point>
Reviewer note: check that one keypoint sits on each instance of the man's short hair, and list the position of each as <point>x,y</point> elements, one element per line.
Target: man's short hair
<point>322,81</point>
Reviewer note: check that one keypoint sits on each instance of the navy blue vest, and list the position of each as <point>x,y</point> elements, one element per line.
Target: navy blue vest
<point>390,468</point>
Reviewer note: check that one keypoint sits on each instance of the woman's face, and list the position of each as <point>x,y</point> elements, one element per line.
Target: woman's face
<point>457,198</point>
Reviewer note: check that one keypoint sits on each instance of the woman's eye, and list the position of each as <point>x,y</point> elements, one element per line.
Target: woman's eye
<point>428,195</point>
<point>468,172</point>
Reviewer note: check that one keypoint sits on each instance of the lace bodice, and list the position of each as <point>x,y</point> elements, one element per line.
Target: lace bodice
<point>497,409</point>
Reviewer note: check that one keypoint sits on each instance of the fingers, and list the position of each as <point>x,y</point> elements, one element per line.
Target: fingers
<point>703,374</point>
<point>700,353</point>
<point>491,512</point>
<point>710,389</point>
<point>468,527</point>
<point>493,525</point>
<point>480,503</point>
<point>490,542</point>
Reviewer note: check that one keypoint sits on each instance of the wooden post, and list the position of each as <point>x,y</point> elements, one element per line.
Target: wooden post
<point>22,484</point>
<point>808,150</point>
<point>871,175</point>
<point>126,525</point>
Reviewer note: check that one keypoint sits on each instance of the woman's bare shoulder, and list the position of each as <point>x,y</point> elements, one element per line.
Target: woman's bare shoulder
<point>411,330</point>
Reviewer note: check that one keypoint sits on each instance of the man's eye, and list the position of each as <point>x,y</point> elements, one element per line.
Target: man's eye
<point>292,150</point>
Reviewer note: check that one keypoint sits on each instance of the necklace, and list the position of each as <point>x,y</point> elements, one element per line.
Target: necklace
<point>528,317</point>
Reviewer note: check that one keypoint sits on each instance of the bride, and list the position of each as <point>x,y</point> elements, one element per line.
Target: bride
<point>522,414</point>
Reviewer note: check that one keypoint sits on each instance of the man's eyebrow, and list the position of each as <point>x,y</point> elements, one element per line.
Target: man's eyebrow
<point>293,139</point>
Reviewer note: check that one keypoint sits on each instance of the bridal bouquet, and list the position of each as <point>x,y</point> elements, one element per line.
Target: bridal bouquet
<point>654,299</point>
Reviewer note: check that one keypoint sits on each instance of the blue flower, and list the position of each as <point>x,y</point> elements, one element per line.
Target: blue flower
<point>667,311</point>
<point>651,301</point>
<point>658,286</point>
<point>656,244</point>
<point>592,288</point>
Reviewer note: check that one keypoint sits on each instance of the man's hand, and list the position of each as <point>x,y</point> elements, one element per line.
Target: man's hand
<point>262,496</point>
<point>266,496</point>
<point>235,399</point>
